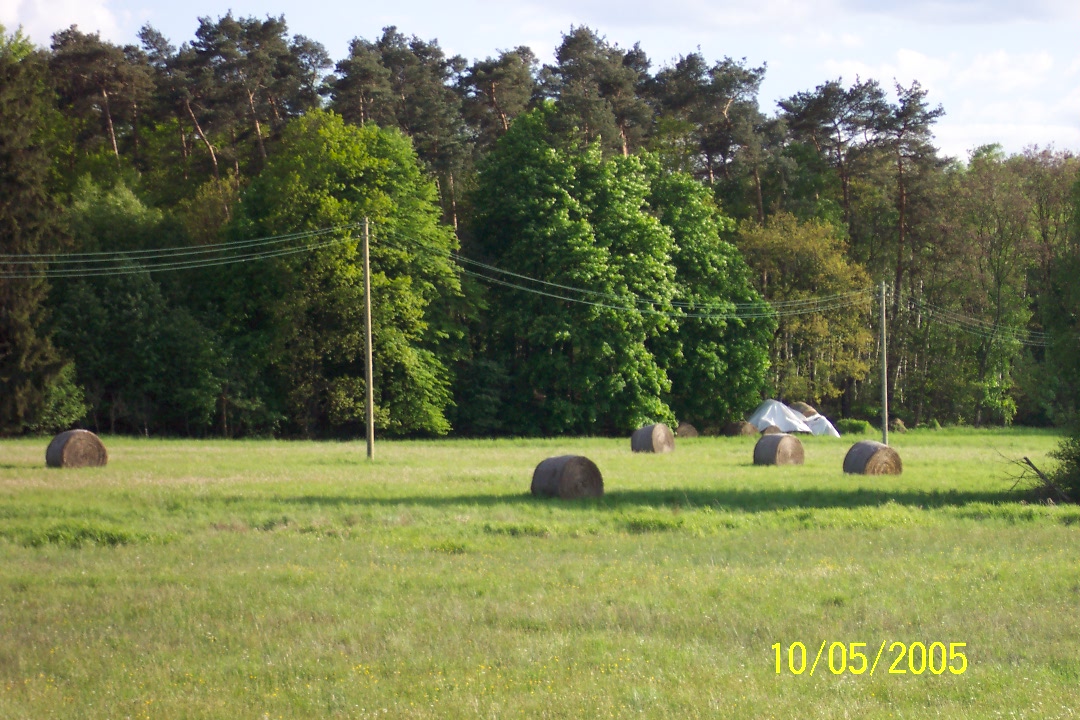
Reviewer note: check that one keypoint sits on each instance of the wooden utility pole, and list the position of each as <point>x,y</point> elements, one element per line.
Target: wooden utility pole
<point>370,410</point>
<point>884,373</point>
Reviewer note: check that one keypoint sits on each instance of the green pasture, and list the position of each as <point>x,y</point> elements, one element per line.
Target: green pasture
<point>252,579</point>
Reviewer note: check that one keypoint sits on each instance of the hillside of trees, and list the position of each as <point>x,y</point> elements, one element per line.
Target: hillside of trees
<point>580,247</point>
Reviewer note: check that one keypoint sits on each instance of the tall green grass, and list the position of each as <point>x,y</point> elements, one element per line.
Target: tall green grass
<point>292,579</point>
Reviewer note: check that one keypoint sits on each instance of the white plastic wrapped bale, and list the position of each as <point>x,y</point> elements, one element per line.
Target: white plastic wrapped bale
<point>774,412</point>
<point>820,425</point>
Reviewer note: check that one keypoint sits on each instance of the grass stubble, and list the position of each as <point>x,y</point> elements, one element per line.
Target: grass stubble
<point>211,579</point>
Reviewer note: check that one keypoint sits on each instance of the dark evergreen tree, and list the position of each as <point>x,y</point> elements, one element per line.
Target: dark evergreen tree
<point>28,361</point>
<point>497,90</point>
<point>598,88</point>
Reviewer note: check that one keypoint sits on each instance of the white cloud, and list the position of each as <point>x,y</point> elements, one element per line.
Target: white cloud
<point>947,12</point>
<point>41,18</point>
<point>958,139</point>
<point>908,66</point>
<point>849,40</point>
<point>696,15</point>
<point>1005,72</point>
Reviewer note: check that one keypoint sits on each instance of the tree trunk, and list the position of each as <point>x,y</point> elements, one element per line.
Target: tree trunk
<point>901,231</point>
<point>206,140</point>
<point>760,198</point>
<point>453,202</point>
<point>109,122</point>
<point>498,109</point>
<point>258,128</point>
<point>135,128</point>
<point>183,144</point>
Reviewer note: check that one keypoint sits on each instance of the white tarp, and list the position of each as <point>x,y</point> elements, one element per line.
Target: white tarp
<point>820,425</point>
<point>774,412</point>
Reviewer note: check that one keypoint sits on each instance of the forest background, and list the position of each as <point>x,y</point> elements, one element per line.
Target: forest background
<point>578,247</point>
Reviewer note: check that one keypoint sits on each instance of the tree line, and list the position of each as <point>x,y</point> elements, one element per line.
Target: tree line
<point>574,247</point>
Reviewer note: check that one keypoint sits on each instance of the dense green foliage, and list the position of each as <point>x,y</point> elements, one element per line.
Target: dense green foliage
<point>329,174</point>
<point>666,197</point>
<point>28,362</point>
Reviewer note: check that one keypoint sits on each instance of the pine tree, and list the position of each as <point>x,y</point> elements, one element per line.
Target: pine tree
<point>28,361</point>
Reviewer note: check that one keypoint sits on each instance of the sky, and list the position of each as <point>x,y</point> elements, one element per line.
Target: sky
<point>1005,71</point>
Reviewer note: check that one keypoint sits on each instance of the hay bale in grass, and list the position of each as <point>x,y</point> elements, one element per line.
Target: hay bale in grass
<point>686,430</point>
<point>76,448</point>
<point>869,457</point>
<point>656,438</point>
<point>772,430</point>
<point>567,477</point>
<point>802,407</point>
<point>740,428</point>
<point>778,449</point>
<point>897,425</point>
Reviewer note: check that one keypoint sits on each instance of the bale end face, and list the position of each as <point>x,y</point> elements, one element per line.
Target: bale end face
<point>805,409</point>
<point>568,477</point>
<point>656,438</point>
<point>741,427</point>
<point>686,430</point>
<point>778,449</point>
<point>76,448</point>
<point>869,457</point>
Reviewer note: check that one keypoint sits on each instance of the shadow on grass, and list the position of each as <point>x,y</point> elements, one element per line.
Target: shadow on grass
<point>741,500</point>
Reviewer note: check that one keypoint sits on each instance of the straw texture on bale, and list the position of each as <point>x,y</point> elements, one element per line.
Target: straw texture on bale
<point>567,477</point>
<point>740,428</point>
<point>897,425</point>
<point>806,410</point>
<point>869,457</point>
<point>76,448</point>
<point>771,430</point>
<point>778,449</point>
<point>656,438</point>
<point>686,430</point>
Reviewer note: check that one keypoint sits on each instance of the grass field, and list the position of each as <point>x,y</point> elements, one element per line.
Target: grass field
<point>251,579</point>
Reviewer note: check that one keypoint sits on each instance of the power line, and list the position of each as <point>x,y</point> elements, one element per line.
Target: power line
<point>983,328</point>
<point>117,263</point>
<point>121,266</point>
<point>738,315</point>
<point>117,255</point>
<point>759,309</point>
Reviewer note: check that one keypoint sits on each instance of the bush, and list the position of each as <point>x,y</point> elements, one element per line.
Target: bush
<point>65,403</point>
<point>853,426</point>
<point>1067,474</point>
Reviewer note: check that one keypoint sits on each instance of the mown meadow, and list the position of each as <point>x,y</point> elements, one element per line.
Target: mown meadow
<point>250,579</point>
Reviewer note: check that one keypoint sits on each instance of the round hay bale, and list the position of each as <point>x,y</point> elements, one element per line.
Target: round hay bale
<point>656,438</point>
<point>567,477</point>
<point>686,430</point>
<point>869,457</point>
<point>778,449</point>
<point>740,428</point>
<point>806,410</point>
<point>76,448</point>
<point>772,430</point>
